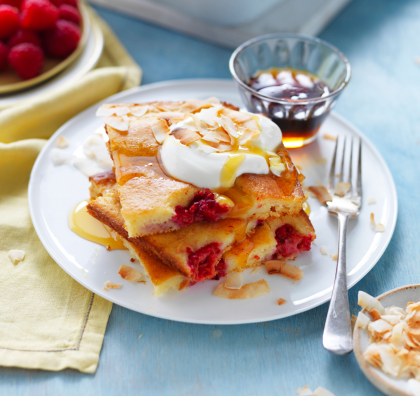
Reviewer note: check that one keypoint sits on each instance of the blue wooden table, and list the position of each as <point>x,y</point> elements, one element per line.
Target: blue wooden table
<point>148,356</point>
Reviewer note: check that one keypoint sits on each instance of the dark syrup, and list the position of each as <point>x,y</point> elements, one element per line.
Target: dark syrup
<point>297,121</point>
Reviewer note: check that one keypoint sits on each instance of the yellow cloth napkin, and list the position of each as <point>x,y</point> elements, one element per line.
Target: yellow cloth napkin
<point>47,320</point>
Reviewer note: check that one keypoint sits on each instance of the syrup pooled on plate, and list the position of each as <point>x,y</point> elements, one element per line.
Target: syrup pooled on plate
<point>87,227</point>
<point>298,120</point>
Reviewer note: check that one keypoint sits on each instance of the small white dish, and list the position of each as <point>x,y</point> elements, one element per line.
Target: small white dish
<point>387,384</point>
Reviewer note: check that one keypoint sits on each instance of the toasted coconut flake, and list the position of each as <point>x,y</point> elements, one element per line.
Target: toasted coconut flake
<point>61,142</point>
<point>362,321</point>
<point>395,342</point>
<point>321,193</point>
<point>233,280</point>
<point>378,328</point>
<point>111,285</point>
<point>334,257</point>
<point>215,136</point>
<point>329,136</point>
<point>186,136</point>
<point>105,110</point>
<point>281,301</point>
<point>118,123</point>
<point>160,130</point>
<point>230,127</point>
<point>16,256</point>
<point>285,269</point>
<point>139,110</point>
<point>342,188</point>
<point>59,157</point>
<point>130,274</point>
<point>305,391</point>
<point>323,250</point>
<point>368,302</point>
<point>247,291</point>
<point>377,227</point>
<point>276,165</point>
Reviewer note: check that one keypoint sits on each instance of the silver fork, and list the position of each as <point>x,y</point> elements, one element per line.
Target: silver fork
<point>345,188</point>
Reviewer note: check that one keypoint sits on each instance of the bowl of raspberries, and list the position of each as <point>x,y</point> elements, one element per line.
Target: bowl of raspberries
<point>38,39</point>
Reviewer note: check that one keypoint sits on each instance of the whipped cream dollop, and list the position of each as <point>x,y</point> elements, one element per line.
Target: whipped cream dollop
<point>213,147</point>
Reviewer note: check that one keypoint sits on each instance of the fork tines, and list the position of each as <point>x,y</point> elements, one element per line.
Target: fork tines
<point>346,167</point>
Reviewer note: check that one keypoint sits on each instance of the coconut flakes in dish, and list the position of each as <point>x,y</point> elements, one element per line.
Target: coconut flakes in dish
<point>394,335</point>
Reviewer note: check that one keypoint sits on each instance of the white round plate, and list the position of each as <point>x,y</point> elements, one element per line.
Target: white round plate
<point>387,384</point>
<point>54,191</point>
<point>87,59</point>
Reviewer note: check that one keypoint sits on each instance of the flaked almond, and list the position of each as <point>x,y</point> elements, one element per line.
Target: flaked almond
<point>111,285</point>
<point>321,193</point>
<point>16,256</point>
<point>285,269</point>
<point>130,274</point>
<point>247,291</point>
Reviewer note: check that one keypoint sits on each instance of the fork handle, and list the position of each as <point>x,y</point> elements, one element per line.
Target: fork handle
<point>337,336</point>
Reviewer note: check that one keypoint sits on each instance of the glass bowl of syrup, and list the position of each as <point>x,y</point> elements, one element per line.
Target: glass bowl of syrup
<point>292,79</point>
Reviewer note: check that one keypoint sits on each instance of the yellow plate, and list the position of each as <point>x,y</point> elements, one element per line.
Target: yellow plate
<point>10,81</point>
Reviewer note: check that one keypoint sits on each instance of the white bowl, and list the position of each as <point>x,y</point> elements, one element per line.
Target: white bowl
<point>387,384</point>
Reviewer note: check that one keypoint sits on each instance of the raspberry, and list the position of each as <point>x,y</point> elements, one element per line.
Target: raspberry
<point>203,207</point>
<point>290,242</point>
<point>9,20</point>
<point>61,41</point>
<point>4,51</point>
<point>24,35</point>
<point>38,15</point>
<point>74,3</point>
<point>70,13</point>
<point>27,60</point>
<point>203,261</point>
<point>14,3</point>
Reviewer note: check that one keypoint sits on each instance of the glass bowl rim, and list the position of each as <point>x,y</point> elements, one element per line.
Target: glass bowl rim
<point>279,35</point>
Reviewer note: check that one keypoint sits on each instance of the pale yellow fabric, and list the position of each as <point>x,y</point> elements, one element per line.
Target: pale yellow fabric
<point>47,320</point>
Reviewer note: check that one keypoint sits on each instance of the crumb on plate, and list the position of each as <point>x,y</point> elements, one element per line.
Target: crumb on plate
<point>285,269</point>
<point>16,256</point>
<point>111,285</point>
